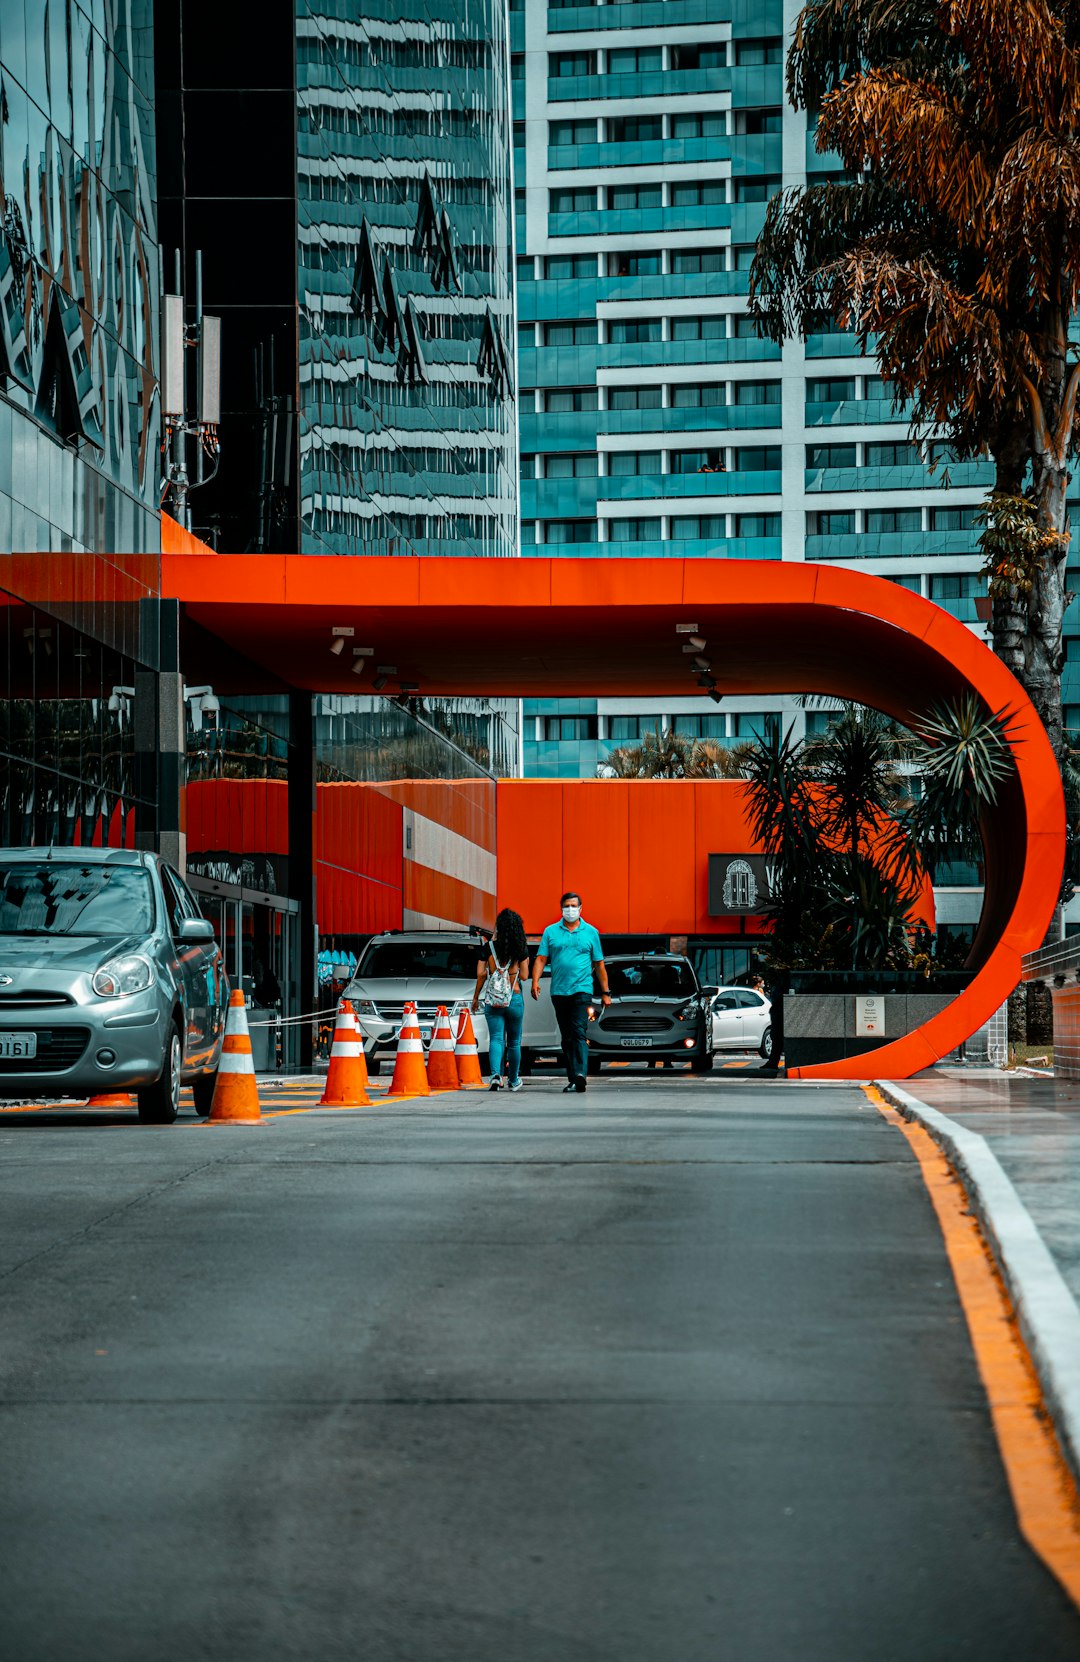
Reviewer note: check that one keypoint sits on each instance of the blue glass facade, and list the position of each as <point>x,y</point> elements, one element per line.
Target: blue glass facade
<point>79,277</point>
<point>407,440</point>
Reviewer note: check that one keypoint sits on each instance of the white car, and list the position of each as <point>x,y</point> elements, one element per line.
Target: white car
<point>741,1020</point>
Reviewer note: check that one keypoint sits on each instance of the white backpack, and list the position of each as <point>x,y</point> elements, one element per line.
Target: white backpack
<point>497,989</point>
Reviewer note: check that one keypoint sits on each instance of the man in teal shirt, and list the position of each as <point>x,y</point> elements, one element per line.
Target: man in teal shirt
<point>574,950</point>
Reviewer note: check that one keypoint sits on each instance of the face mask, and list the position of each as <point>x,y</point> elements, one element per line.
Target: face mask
<point>571,913</point>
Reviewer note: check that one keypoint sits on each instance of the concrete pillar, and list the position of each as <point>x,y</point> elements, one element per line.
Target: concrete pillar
<point>160,747</point>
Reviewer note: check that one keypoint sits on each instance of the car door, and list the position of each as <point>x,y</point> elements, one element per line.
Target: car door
<point>192,967</point>
<point>214,985</point>
<point>754,1013</point>
<point>726,1021</point>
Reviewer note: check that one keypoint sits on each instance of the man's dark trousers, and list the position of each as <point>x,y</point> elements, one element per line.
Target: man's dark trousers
<point>572,1015</point>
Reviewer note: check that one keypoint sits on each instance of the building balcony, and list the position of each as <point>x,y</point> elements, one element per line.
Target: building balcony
<point>695,285</point>
<point>651,153</point>
<point>758,86</point>
<point>837,346</point>
<point>642,14</point>
<point>953,475</point>
<point>558,498</point>
<point>670,424</point>
<point>654,83</point>
<point>886,545</point>
<point>659,354</point>
<point>853,412</point>
<point>557,366</point>
<point>574,430</point>
<point>663,487</point>
<point>636,222</point>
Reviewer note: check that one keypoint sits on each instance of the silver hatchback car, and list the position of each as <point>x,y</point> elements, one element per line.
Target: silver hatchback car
<point>110,980</point>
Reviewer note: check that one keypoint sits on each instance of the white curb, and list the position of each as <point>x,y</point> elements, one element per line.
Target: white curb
<point>1046,1310</point>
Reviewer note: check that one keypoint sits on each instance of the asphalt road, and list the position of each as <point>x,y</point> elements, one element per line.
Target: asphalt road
<point>674,1372</point>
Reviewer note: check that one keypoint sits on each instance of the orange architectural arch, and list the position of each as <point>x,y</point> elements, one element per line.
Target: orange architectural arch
<point>609,626</point>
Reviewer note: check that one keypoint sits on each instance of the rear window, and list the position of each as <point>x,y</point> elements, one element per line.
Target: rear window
<point>652,978</point>
<point>58,897</point>
<point>400,960</point>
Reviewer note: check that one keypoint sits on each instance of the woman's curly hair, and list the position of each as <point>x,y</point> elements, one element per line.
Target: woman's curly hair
<point>508,942</point>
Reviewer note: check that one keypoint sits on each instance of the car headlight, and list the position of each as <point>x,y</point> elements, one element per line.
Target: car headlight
<point>365,1007</point>
<point>129,974</point>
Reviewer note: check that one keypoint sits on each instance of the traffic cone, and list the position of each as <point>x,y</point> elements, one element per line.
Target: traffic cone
<point>442,1066</point>
<point>114,1099</point>
<point>236,1098</point>
<point>410,1077</point>
<point>346,1081</point>
<point>466,1054</point>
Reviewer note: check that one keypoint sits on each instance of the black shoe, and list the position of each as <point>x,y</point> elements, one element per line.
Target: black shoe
<point>496,1085</point>
<point>581,1084</point>
<point>568,1088</point>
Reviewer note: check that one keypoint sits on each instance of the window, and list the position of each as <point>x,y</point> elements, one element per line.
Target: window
<point>893,519</point>
<point>564,399</point>
<point>690,395</point>
<point>758,458</point>
<point>563,64</point>
<point>634,398</point>
<point>528,464</point>
<point>690,260</point>
<point>892,455</point>
<point>756,726</point>
<point>742,256</point>
<point>634,129</point>
<point>698,528</point>
<point>517,66</point>
<point>757,525</point>
<point>763,121</point>
<point>700,125</point>
<point>750,53</point>
<point>633,265</point>
<point>954,519</point>
<point>570,727</point>
<point>826,391</point>
<point>940,450</point>
<point>634,196</point>
<point>757,392</point>
<point>700,727</point>
<point>563,531</point>
<point>756,190</point>
<point>703,193</point>
<point>712,56</point>
<point>582,333</point>
<point>956,587</point>
<point>830,455</point>
<point>634,331</point>
<point>560,267</point>
<point>526,271</point>
<point>699,328</point>
<point>526,334</point>
<point>571,132</point>
<point>633,462</point>
<point>519,201</point>
<point>565,465</point>
<point>634,60</point>
<point>633,530</point>
<point>621,728</point>
<point>571,201</point>
<point>832,524</point>
<point>86,900</point>
<point>697,461</point>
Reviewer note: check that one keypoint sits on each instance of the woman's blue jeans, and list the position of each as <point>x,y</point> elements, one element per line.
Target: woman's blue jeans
<point>504,1038</point>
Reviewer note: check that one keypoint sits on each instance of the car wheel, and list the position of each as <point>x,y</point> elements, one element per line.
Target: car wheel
<point>701,1064</point>
<point>525,1066</point>
<point>159,1103</point>
<point>765,1047</point>
<point>593,1065</point>
<point>202,1089</point>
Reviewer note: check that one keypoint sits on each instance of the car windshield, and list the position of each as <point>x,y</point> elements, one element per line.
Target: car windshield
<point>400,960</point>
<point>651,978</point>
<point>59,897</point>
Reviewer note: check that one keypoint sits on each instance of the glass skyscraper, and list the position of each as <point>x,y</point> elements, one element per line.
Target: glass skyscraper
<point>406,416</point>
<point>654,422</point>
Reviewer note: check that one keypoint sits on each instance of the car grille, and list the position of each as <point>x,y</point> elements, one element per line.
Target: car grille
<point>57,1049</point>
<point>396,1012</point>
<point>636,1024</point>
<point>32,1001</point>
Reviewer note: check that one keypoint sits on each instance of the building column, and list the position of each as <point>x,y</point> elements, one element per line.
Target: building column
<point>160,763</point>
<point>302,886</point>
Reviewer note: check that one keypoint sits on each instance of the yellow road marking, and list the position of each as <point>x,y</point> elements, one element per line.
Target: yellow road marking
<point>1042,1486</point>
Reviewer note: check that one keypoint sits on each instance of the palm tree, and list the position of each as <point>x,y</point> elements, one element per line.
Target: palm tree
<point>665,754</point>
<point>955,242</point>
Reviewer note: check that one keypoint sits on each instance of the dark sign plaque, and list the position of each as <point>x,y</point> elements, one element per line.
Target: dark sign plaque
<point>739,884</point>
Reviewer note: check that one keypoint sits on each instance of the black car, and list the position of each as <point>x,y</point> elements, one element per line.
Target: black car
<point>657,1010</point>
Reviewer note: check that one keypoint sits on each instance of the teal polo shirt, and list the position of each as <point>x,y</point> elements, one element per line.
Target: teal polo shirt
<point>571,954</point>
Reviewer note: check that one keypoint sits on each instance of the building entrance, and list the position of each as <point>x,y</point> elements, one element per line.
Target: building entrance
<point>259,939</point>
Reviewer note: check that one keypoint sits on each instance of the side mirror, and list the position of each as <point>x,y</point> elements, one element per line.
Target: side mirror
<point>196,929</point>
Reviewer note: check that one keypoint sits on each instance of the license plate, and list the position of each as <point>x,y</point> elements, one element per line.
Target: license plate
<point>425,1035</point>
<point>635,1044</point>
<point>18,1047</point>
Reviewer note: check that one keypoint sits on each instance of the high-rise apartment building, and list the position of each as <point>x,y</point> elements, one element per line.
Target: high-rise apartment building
<point>654,422</point>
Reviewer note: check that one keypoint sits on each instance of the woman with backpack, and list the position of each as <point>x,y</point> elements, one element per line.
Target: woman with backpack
<point>499,980</point>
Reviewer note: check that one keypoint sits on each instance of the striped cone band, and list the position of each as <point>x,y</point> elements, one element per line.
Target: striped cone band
<point>236,1061</point>
<point>236,1019</point>
<point>410,1046</point>
<point>462,1049</point>
<point>347,1047</point>
<point>410,1075</point>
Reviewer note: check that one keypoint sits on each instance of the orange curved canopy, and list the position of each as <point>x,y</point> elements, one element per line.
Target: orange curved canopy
<point>608,626</point>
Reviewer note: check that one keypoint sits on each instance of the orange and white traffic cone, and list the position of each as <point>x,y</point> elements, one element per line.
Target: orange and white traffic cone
<point>346,1080</point>
<point>466,1054</point>
<point>442,1067</point>
<point>114,1099</point>
<point>410,1076</point>
<point>236,1098</point>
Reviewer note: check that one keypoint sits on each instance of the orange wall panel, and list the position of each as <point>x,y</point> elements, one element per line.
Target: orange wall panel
<point>661,878</point>
<point>530,849</point>
<point>595,851</point>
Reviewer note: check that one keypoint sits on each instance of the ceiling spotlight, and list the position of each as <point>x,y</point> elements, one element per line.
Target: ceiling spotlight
<point>702,664</point>
<point>714,695</point>
<point>337,647</point>
<point>385,669</point>
<point>706,681</point>
<point>359,666</point>
<point>689,647</point>
<point>344,631</point>
<point>686,628</point>
<point>379,683</point>
<point>697,641</point>
<point>363,652</point>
